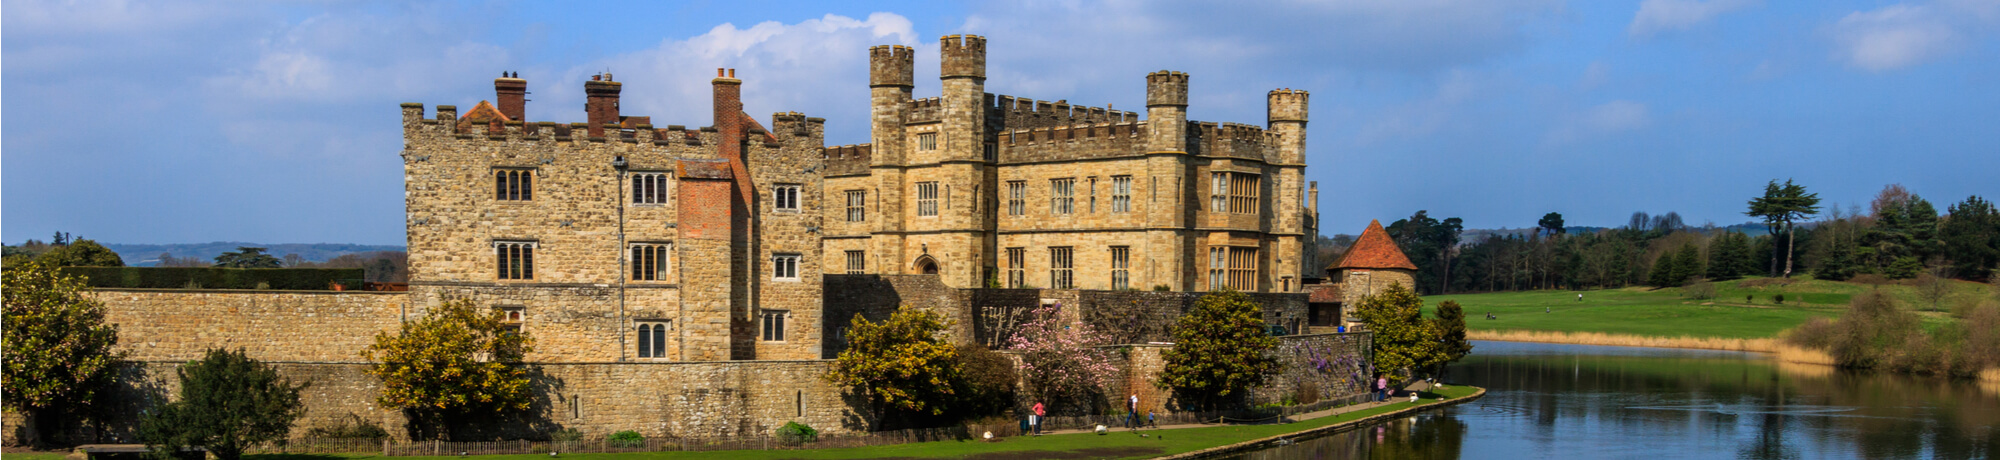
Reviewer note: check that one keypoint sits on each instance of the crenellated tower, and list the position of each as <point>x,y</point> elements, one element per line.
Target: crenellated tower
<point>1287,118</point>
<point>891,77</point>
<point>1171,179</point>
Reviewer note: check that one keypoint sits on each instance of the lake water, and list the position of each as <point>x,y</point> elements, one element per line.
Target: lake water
<point>1586,402</point>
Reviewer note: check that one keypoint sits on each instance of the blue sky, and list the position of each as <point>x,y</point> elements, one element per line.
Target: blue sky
<point>163,122</point>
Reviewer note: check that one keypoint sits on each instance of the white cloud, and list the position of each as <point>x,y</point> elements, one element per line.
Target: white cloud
<point>1657,16</point>
<point>818,67</point>
<point>1894,36</point>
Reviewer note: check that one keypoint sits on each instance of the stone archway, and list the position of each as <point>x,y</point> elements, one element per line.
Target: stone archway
<point>926,265</point>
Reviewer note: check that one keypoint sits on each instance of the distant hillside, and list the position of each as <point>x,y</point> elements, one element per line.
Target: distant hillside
<point>149,254</point>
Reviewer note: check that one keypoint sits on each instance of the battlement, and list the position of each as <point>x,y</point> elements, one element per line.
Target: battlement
<point>923,110</point>
<point>1287,105</point>
<point>1023,113</point>
<point>794,124</point>
<point>847,159</point>
<point>1166,87</point>
<point>964,56</point>
<point>447,124</point>
<point>1073,142</point>
<point>1235,140</point>
<point>891,65</point>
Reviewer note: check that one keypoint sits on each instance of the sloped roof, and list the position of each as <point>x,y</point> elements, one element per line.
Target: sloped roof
<point>483,113</point>
<point>1374,249</point>
<point>1323,293</point>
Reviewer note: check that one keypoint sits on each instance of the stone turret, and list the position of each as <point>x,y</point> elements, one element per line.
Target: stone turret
<point>1287,109</point>
<point>964,75</point>
<point>1166,111</point>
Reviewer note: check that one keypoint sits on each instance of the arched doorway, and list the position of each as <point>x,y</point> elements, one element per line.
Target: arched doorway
<point>926,265</point>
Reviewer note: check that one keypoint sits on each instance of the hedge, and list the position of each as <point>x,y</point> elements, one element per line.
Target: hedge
<point>297,279</point>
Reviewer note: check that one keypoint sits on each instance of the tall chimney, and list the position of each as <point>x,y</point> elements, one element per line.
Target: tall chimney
<point>513,95</point>
<point>600,103</point>
<point>729,113</point>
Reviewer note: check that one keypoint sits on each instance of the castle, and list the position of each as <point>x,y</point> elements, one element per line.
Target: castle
<point>697,281</point>
<point>617,240</point>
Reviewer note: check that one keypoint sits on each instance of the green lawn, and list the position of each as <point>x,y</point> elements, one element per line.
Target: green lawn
<point>1118,444</point>
<point>1667,313</point>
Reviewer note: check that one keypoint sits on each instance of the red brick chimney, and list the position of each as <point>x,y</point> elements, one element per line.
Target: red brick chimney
<point>513,95</point>
<point>601,103</point>
<point>728,113</point>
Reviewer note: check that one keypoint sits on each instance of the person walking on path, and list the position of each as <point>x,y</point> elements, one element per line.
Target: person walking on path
<point>1381,387</point>
<point>1035,420</point>
<point>1132,412</point>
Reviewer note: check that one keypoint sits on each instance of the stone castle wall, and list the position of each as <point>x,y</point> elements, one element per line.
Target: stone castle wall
<point>294,326</point>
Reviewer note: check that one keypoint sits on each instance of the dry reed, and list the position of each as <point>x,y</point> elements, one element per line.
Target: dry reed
<point>1599,338</point>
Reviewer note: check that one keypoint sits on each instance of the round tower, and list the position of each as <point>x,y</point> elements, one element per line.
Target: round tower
<point>1166,111</point>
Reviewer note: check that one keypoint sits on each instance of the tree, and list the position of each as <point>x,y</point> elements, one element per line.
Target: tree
<point>1403,340</point>
<point>1429,243</point>
<point>1221,349</point>
<point>1687,264</point>
<point>247,257</point>
<point>1664,270</point>
<point>1450,328</point>
<point>1552,224</point>
<point>1729,257</point>
<point>81,253</point>
<point>1933,288</point>
<point>59,353</point>
<point>453,363</point>
<point>1781,206</point>
<point>903,365</point>
<point>1059,362</point>
<point>1971,237</point>
<point>228,402</point>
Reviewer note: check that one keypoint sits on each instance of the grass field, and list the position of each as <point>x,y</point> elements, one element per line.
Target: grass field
<point>1668,313</point>
<point>1117,444</point>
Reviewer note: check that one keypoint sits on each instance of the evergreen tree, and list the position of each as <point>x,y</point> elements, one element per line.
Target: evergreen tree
<point>1221,350</point>
<point>59,353</point>
<point>1450,328</point>
<point>1970,237</point>
<point>1403,340</point>
<point>1664,272</point>
<point>1687,264</point>
<point>1783,206</point>
<point>228,403</point>
<point>248,257</point>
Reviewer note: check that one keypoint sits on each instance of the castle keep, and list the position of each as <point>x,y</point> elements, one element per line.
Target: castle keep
<point>694,280</point>
<point>1003,191</point>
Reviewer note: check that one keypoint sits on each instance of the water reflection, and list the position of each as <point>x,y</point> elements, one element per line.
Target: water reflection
<point>1569,401</point>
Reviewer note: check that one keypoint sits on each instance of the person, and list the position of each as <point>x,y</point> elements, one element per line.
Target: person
<point>1579,297</point>
<point>1381,387</point>
<point>1545,309</point>
<point>1150,421</point>
<point>1036,419</point>
<point>1132,412</point>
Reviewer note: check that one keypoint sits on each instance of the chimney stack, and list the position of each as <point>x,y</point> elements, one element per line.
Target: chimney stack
<point>600,103</point>
<point>512,93</point>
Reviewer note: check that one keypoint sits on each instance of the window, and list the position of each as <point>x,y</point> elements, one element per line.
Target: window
<point>927,141</point>
<point>1121,193</point>
<point>1121,275</point>
<point>1059,268</point>
<point>653,338</point>
<point>1218,192</point>
<point>785,267</point>
<point>1092,191</point>
<point>651,261</point>
<point>649,188</point>
<point>857,205</point>
<point>514,184</point>
<point>515,260</point>
<point>1017,267</point>
<point>1234,268</point>
<point>927,198</point>
<point>1017,197</point>
<point>1233,193</point>
<point>1062,195</point>
<point>992,152</point>
<point>512,316</point>
<point>773,322</point>
<point>857,262</point>
<point>785,197</point>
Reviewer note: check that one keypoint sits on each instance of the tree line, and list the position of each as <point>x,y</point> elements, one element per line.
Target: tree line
<point>1900,235</point>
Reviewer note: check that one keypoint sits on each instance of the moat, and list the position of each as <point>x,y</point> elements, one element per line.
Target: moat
<point>1574,401</point>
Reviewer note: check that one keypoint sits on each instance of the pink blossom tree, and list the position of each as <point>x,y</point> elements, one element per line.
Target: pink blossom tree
<point>1059,362</point>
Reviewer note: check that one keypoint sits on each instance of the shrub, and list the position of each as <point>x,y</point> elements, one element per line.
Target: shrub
<point>228,403</point>
<point>1699,290</point>
<point>349,427</point>
<point>627,439</point>
<point>296,279</point>
<point>566,435</point>
<point>797,433</point>
<point>1162,288</point>
<point>1778,298</point>
<point>987,382</point>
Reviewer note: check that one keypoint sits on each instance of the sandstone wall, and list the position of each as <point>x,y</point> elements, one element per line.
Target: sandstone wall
<point>297,326</point>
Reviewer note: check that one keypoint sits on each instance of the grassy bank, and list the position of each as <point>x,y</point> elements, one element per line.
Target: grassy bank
<point>1741,309</point>
<point>1117,444</point>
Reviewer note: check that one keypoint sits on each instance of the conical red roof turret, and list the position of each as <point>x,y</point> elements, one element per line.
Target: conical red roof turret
<point>1374,249</point>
